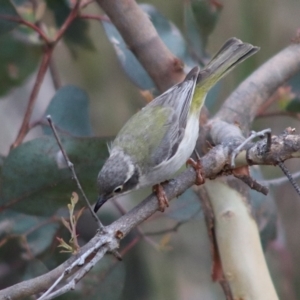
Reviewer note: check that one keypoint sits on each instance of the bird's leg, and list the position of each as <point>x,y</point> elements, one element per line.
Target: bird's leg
<point>163,201</point>
<point>196,164</point>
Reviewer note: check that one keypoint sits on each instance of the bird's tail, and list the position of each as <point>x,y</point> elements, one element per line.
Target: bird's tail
<point>232,53</point>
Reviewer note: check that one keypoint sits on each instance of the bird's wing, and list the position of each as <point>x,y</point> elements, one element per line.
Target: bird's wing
<point>153,134</point>
<point>179,97</point>
<point>149,136</point>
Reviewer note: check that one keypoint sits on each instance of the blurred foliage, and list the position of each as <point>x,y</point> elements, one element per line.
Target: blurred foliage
<point>17,61</point>
<point>70,110</point>
<point>7,9</point>
<point>35,183</point>
<point>77,33</point>
<point>36,179</point>
<point>169,34</point>
<point>200,18</point>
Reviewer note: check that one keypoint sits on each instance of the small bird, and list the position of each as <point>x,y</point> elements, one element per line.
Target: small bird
<point>158,140</point>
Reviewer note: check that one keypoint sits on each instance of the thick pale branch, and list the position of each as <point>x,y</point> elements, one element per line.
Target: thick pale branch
<point>142,39</point>
<point>243,104</point>
<point>237,235</point>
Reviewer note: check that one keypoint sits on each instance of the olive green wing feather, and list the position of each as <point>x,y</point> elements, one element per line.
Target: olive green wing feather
<point>179,97</point>
<point>149,136</point>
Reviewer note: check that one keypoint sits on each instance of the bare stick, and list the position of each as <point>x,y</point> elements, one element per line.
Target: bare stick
<point>71,167</point>
<point>290,177</point>
<point>252,136</point>
<point>33,96</point>
<point>21,21</point>
<point>280,180</point>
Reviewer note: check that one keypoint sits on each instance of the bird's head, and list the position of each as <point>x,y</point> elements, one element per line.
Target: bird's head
<point>118,175</point>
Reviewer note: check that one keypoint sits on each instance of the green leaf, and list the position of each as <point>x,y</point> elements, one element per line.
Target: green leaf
<point>69,109</point>
<point>293,106</point>
<point>39,234</point>
<point>77,33</point>
<point>42,238</point>
<point>7,9</point>
<point>17,62</point>
<point>169,34</point>
<point>36,180</point>
<point>200,18</point>
<point>132,67</point>
<point>34,269</point>
<point>185,207</point>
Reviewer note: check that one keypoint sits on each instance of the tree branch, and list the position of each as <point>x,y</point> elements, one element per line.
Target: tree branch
<point>212,165</point>
<point>243,104</point>
<point>142,39</point>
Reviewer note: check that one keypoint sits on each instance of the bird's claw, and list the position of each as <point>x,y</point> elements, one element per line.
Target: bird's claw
<point>196,164</point>
<point>163,201</point>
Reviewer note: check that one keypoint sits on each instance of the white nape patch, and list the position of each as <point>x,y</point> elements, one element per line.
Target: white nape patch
<point>60,160</point>
<point>130,167</point>
<point>109,147</point>
<point>126,159</point>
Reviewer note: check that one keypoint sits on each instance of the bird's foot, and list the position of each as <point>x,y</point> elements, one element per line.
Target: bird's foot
<point>163,201</point>
<point>196,164</point>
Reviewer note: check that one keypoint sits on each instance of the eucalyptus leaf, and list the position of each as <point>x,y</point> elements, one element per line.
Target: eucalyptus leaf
<point>200,18</point>
<point>293,106</point>
<point>77,33</point>
<point>36,180</point>
<point>17,62</point>
<point>69,109</point>
<point>186,207</point>
<point>7,10</point>
<point>37,231</point>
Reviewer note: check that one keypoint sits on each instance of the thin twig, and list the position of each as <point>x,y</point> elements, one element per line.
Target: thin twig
<point>280,180</point>
<point>252,183</point>
<point>74,175</point>
<point>28,24</point>
<point>72,16</point>
<point>168,230</point>
<point>289,176</point>
<point>252,136</point>
<point>33,97</point>
<point>41,73</point>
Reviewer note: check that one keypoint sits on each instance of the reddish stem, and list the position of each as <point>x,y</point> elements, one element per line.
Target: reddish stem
<point>42,71</point>
<point>130,245</point>
<point>28,24</point>
<point>72,16</point>
<point>33,96</point>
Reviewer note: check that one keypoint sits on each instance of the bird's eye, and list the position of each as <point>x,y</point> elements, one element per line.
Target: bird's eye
<point>118,189</point>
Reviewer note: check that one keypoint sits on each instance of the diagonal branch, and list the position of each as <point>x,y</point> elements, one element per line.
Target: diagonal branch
<point>142,39</point>
<point>243,104</point>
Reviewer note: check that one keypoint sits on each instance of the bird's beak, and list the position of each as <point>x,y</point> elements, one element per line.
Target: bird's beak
<point>100,201</point>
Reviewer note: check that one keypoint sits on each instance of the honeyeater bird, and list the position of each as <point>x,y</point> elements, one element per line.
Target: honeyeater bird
<point>158,140</point>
